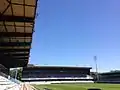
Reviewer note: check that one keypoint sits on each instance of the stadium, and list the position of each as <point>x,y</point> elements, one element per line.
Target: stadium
<point>17,22</point>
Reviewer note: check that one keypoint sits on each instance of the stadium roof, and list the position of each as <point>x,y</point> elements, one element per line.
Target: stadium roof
<point>111,73</point>
<point>58,67</point>
<point>17,18</point>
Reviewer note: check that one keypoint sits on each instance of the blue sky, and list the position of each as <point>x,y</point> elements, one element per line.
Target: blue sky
<point>71,32</point>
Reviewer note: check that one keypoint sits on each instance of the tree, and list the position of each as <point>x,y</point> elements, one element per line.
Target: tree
<point>19,73</point>
<point>115,71</point>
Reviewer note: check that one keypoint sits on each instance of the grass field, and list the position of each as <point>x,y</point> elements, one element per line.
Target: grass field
<point>79,86</point>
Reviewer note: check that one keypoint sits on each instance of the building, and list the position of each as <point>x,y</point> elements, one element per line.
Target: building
<point>56,73</point>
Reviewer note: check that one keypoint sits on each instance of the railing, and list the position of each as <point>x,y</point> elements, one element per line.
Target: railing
<point>54,78</point>
<point>15,86</point>
<point>15,80</point>
<point>4,75</point>
<point>10,78</point>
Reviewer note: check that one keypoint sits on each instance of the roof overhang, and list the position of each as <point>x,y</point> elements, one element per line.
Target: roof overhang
<point>17,19</point>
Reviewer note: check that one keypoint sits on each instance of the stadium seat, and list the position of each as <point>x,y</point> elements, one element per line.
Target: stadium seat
<point>6,84</point>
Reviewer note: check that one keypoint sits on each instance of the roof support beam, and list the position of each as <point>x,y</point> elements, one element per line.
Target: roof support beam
<point>15,34</point>
<point>24,54</point>
<point>11,58</point>
<point>14,50</point>
<point>17,26</point>
<point>16,18</point>
<point>24,58</point>
<point>1,14</point>
<point>14,63</point>
<point>5,44</point>
<point>20,4</point>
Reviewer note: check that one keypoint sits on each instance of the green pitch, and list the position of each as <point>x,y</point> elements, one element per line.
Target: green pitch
<point>79,86</point>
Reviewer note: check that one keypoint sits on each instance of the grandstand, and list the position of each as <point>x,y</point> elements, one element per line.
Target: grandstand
<point>17,18</point>
<point>110,77</point>
<point>56,74</point>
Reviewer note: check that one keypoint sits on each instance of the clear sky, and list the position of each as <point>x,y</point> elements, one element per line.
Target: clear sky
<point>71,32</point>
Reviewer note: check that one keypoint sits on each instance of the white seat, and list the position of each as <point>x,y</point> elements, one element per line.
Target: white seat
<point>8,84</point>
